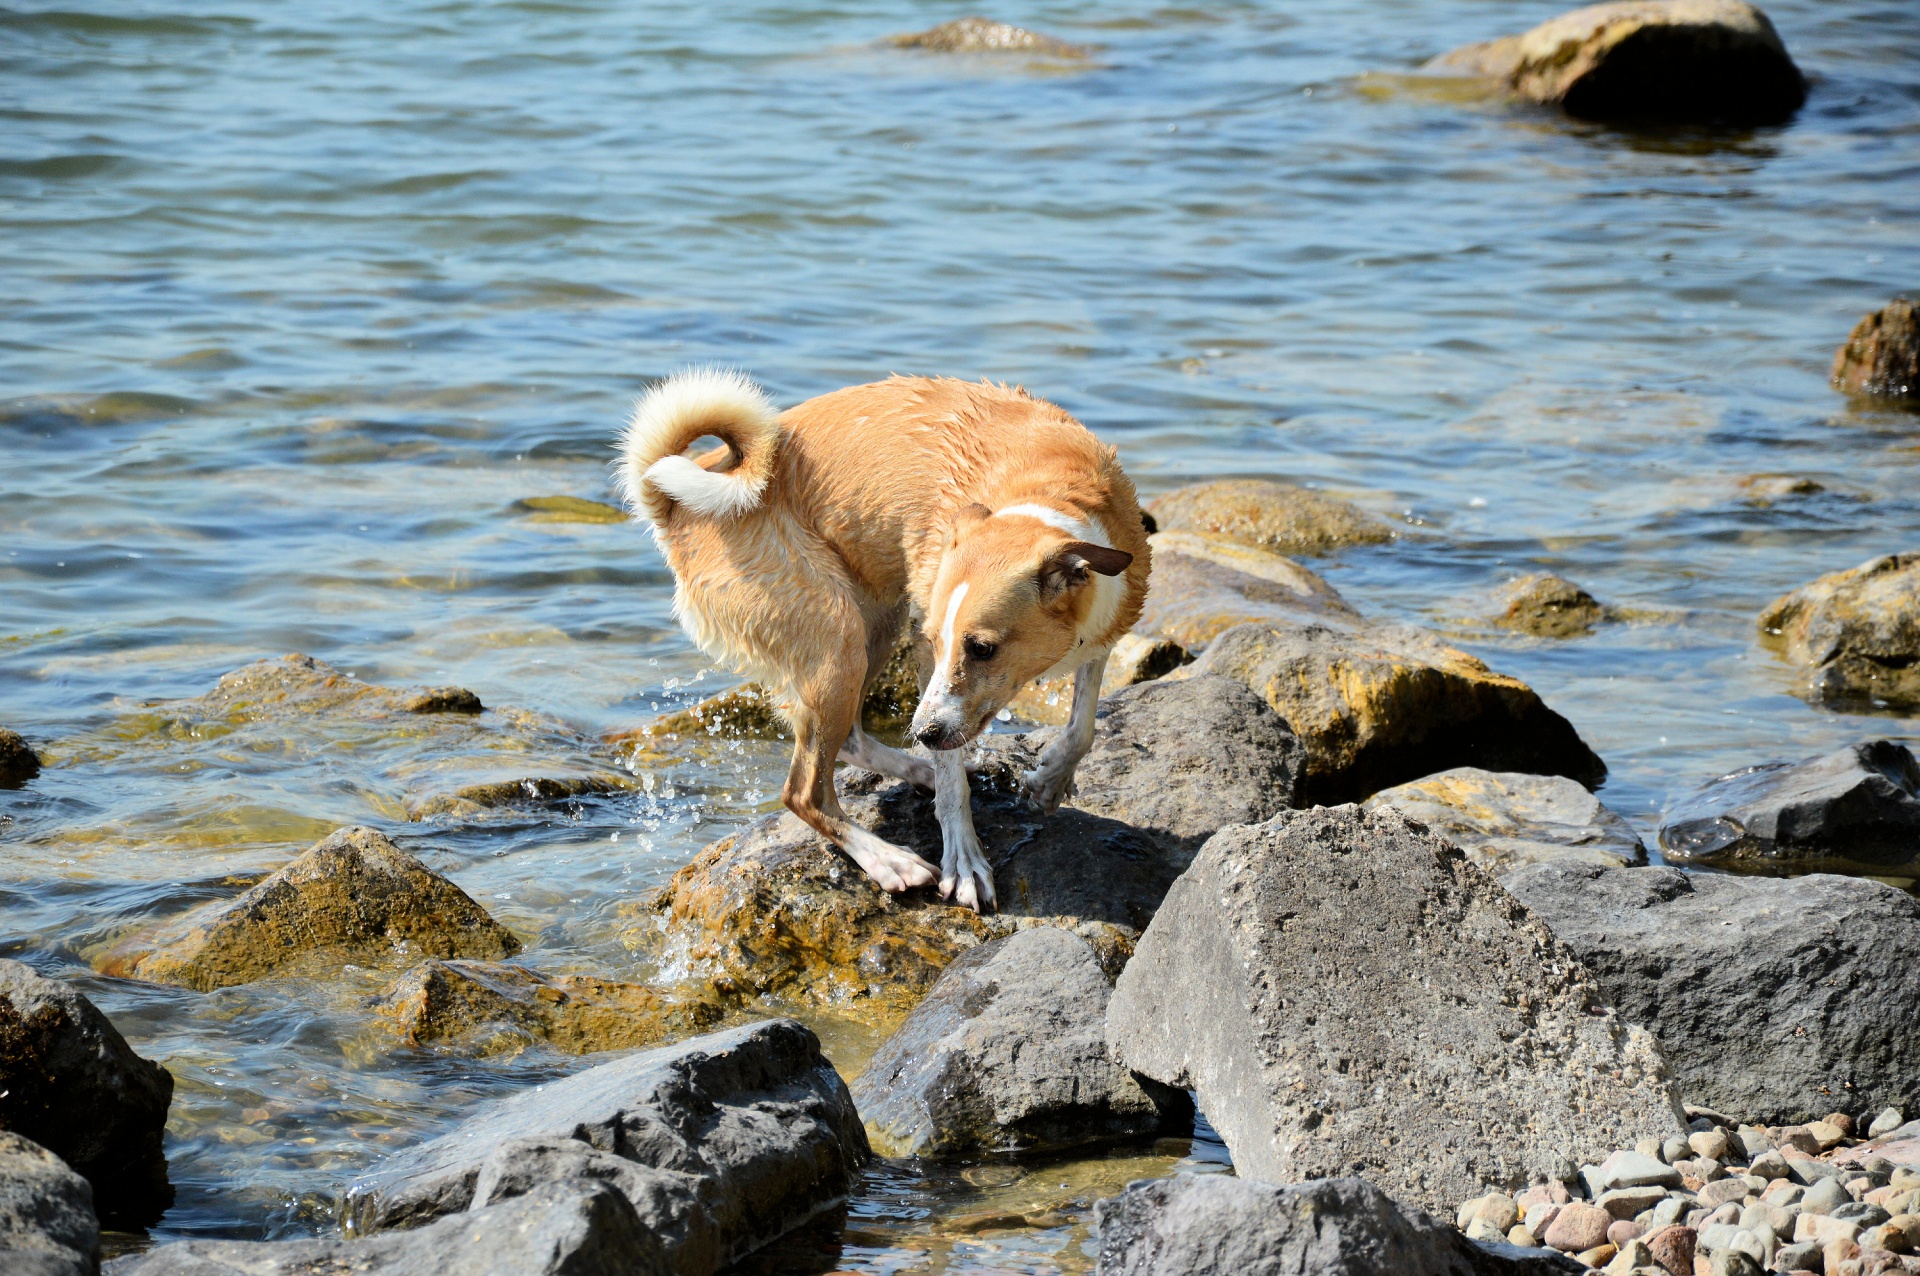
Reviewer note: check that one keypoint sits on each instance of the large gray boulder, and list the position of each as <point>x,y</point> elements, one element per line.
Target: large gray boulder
<point>70,1082</point>
<point>558,1229</point>
<point>723,1143</point>
<point>1776,998</point>
<point>1348,994</point>
<point>1858,806</point>
<point>1008,1053</point>
<point>1212,1225</point>
<point>47,1224</point>
<point>1505,820</point>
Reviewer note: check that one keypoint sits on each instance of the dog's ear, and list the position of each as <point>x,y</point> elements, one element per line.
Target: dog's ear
<point>1072,565</point>
<point>966,517</point>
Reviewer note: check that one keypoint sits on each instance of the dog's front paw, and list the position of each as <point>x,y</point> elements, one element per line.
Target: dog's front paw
<point>1045,790</point>
<point>966,877</point>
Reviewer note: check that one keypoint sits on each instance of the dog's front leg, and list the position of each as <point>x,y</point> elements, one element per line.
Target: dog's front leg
<point>867,753</point>
<point>965,876</point>
<point>1051,780</point>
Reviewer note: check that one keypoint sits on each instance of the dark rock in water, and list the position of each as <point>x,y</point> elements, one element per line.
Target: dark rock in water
<point>1349,994</point>
<point>1205,583</point>
<point>1652,61</point>
<point>1389,704</point>
<point>1271,516</point>
<point>352,897</point>
<point>1505,820</point>
<point>47,1224</point>
<point>1548,606</point>
<point>18,762</point>
<point>1859,805</point>
<point>1008,1053</point>
<point>476,798</point>
<point>1857,631</point>
<point>510,1005</point>
<point>1213,1225</point>
<point>984,35</point>
<point>70,1082</point>
<point>1773,998</point>
<point>722,1143</point>
<point>1881,356</point>
<point>443,700</point>
<point>558,1229</point>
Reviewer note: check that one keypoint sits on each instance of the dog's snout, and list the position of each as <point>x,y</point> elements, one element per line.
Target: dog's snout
<point>930,735</point>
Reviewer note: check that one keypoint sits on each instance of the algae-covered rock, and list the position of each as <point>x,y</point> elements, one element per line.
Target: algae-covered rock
<point>1272,516</point>
<point>303,685</point>
<point>1881,356</point>
<point>1856,631</point>
<point>18,762</point>
<point>1659,61</point>
<point>1387,704</point>
<point>750,710</point>
<point>984,35</point>
<point>474,799</point>
<point>1506,820</point>
<point>581,1014</point>
<point>568,509</point>
<point>353,897</point>
<point>1204,583</point>
<point>1548,606</point>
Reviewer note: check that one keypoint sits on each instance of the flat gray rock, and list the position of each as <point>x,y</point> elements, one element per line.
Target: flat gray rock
<point>1505,820</point>
<point>1350,995</point>
<point>47,1224</point>
<point>733,1139</point>
<point>1776,998</point>
<point>70,1082</point>
<point>1214,1225</point>
<point>558,1229</point>
<point>1008,1053</point>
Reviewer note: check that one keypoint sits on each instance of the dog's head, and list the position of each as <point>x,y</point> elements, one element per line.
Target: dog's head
<point>1017,593</point>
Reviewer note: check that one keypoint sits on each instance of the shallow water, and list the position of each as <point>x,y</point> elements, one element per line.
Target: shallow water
<point>299,301</point>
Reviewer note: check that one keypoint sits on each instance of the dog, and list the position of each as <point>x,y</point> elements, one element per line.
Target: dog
<point>992,521</point>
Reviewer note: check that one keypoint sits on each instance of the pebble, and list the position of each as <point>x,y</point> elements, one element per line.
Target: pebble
<point>1678,1147</point>
<point>1798,1138</point>
<point>1631,1254</point>
<point>1631,1169</point>
<point>1519,1235</point>
<point>1799,1257</point>
<point>1577,1228</point>
<point>1668,1212</point>
<point>1753,1141</point>
<point>1770,1165</point>
<point>1723,1192</point>
<point>1887,1122</point>
<point>1622,1230</point>
<point>1496,1209</point>
<point>1626,1202</point>
<point>1480,1230</point>
<point>1827,1135</point>
<point>1712,1144</point>
<point>1824,1197</point>
<point>1598,1256</point>
<point>1673,1249</point>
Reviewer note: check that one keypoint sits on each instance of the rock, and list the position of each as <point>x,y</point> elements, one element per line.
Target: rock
<point>1711,1143</point>
<point>1824,1197</point>
<point>445,1000</point>
<point>1633,1169</point>
<point>1205,584</point>
<point>1856,806</point>
<point>568,509</point>
<point>443,700</point>
<point>18,762</point>
<point>559,1229</point>
<point>1721,1191</point>
<point>1136,658</point>
<point>1211,1224</point>
<point>47,1224</point>
<point>1622,1230</point>
<point>983,35</point>
<point>1008,1053</point>
<point>1496,1209</point>
<point>1654,61</point>
<point>1348,993</point>
<point>1672,1249</point>
<point>1392,704</point>
<point>751,711</point>
<point>352,897</point>
<point>1548,606</point>
<point>1626,1203</point>
<point>1881,356</point>
<point>70,1082</point>
<point>1631,1254</point>
<point>1826,1135</point>
<point>1889,1120</point>
<point>474,799</point>
<point>1578,1227</point>
<point>1857,632</point>
<point>723,1143</point>
<point>1801,1257</point>
<point>1505,820</point>
<point>1277,517</point>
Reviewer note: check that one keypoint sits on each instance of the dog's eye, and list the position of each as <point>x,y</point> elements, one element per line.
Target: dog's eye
<point>980,649</point>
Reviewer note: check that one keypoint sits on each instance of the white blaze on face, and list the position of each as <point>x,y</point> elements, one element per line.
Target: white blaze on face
<point>943,671</point>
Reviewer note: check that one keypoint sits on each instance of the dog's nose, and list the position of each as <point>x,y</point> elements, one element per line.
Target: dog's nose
<point>930,735</point>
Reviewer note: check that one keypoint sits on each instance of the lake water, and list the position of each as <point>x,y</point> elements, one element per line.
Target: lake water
<point>301,300</point>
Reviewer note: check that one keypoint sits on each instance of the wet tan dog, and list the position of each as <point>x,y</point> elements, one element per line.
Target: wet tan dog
<point>993,521</point>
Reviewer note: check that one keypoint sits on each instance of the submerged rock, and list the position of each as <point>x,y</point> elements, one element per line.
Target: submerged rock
<point>561,1229</point>
<point>1548,606</point>
<point>1859,805</point>
<point>1389,704</point>
<point>984,35</point>
<point>1857,631</point>
<point>1278,517</point>
<point>445,1000</point>
<point>1881,356</point>
<point>569,509</point>
<point>476,798</point>
<point>18,762</point>
<point>352,897</point>
<point>1349,994</point>
<point>1008,1053</point>
<point>1204,584</point>
<point>47,1224</point>
<point>752,711</point>
<point>1773,998</point>
<point>722,1144</point>
<point>70,1082</point>
<point>1657,61</point>
<point>299,684</point>
<point>1505,820</point>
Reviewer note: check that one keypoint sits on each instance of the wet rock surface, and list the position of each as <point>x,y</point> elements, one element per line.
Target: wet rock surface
<point>475,799</point>
<point>1204,584</point>
<point>722,1143</point>
<point>1653,61</point>
<point>47,1223</point>
<point>1856,632</point>
<point>1008,1053</point>
<point>1505,820</point>
<point>352,897</point>
<point>984,35</point>
<point>562,1229</point>
<point>1390,704</point>
<point>504,1007</point>
<point>1135,659</point>
<point>18,762</point>
<point>1881,356</point>
<point>1771,997</point>
<point>1857,806</point>
<point>1349,994</point>
<point>750,710</point>
<point>1278,517</point>
<point>1547,606</point>
<point>70,1083</point>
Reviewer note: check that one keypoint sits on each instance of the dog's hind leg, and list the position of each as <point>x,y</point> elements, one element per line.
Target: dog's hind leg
<point>965,876</point>
<point>1051,780</point>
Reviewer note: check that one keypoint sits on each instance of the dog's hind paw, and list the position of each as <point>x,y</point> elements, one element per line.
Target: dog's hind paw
<point>1046,792</point>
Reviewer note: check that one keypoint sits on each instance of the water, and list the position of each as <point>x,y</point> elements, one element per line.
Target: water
<point>299,301</point>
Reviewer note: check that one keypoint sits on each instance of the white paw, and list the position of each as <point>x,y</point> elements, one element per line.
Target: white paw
<point>893,868</point>
<point>965,876</point>
<point>1046,789</point>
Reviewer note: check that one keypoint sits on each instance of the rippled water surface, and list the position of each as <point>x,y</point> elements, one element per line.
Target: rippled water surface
<point>301,303</point>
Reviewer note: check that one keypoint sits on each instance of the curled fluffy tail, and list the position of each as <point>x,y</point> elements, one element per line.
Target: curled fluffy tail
<point>688,406</point>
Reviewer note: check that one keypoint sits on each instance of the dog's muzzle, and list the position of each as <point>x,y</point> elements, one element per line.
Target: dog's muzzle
<point>938,735</point>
